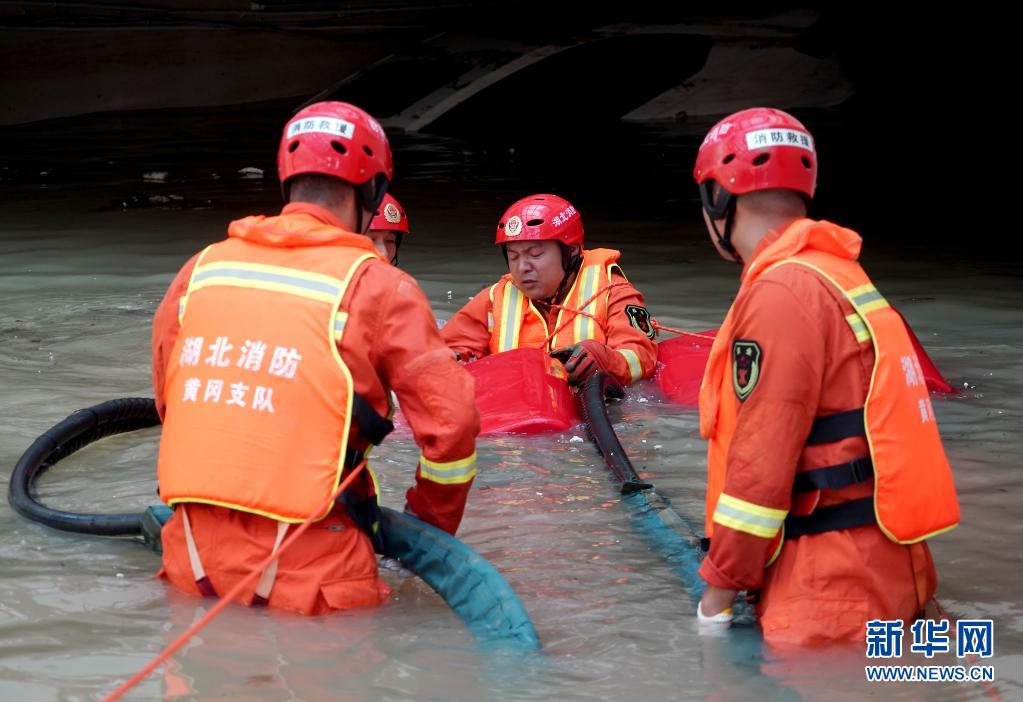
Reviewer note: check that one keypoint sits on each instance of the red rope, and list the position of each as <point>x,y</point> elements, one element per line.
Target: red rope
<point>230,596</point>
<point>680,332</point>
<point>573,313</point>
<point>991,691</point>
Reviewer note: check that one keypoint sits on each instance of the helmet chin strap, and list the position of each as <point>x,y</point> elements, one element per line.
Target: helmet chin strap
<point>571,263</point>
<point>398,236</point>
<point>369,195</point>
<point>722,208</point>
<point>725,240</point>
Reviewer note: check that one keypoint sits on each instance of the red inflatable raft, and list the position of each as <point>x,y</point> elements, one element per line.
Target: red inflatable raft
<point>518,391</point>
<point>680,364</point>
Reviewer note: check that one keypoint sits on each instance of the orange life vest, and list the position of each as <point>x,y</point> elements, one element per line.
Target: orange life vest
<point>257,393</point>
<point>516,323</point>
<point>914,495</point>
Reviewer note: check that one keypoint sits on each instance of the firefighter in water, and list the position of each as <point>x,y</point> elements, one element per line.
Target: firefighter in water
<point>274,355</point>
<point>573,302</point>
<point>826,469</point>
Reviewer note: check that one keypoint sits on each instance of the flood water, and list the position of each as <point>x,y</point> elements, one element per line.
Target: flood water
<point>88,245</point>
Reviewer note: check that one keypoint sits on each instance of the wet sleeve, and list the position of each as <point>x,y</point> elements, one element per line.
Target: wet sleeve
<point>166,328</point>
<point>437,398</point>
<point>468,332</point>
<point>777,324</point>
<point>630,334</point>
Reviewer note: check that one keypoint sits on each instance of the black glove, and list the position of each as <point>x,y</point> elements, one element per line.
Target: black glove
<point>582,360</point>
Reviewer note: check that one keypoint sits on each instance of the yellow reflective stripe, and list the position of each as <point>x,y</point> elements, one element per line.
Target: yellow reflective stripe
<point>183,303</point>
<point>748,517</point>
<point>513,301</point>
<point>241,508</point>
<point>858,327</point>
<point>861,290</point>
<point>866,298</point>
<point>291,281</point>
<point>587,289</point>
<point>335,352</point>
<point>303,276</point>
<point>635,367</point>
<point>873,306</point>
<point>753,508</point>
<point>218,280</point>
<point>339,325</point>
<point>451,473</point>
<point>271,286</point>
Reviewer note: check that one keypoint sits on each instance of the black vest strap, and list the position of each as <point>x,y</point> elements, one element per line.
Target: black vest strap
<point>843,516</point>
<point>835,427</point>
<point>856,471</point>
<point>372,426</point>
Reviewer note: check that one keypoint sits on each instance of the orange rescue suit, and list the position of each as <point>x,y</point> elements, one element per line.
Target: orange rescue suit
<point>501,318</point>
<point>259,348</point>
<point>825,461</point>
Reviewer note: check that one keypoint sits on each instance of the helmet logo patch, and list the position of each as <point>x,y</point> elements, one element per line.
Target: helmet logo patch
<point>391,213</point>
<point>513,227</point>
<point>321,125</point>
<point>766,138</point>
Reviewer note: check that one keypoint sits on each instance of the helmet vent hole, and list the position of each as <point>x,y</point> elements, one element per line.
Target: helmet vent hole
<point>806,162</point>
<point>292,146</point>
<point>368,151</point>
<point>339,147</point>
<point>501,225</point>
<point>534,223</point>
<point>728,159</point>
<point>761,159</point>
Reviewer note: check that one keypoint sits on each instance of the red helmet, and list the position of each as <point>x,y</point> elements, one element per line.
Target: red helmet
<point>340,140</point>
<point>758,149</point>
<point>540,217</point>
<point>390,217</point>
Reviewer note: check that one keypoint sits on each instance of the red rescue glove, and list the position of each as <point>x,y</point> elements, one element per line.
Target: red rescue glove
<point>583,360</point>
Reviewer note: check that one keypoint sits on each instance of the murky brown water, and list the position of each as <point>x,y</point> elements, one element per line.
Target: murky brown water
<point>85,255</point>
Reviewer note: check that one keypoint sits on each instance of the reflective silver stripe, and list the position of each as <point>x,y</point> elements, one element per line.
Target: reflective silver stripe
<point>869,296</point>
<point>453,473</point>
<point>510,319</point>
<point>450,476</point>
<point>339,326</point>
<point>589,289</point>
<point>748,518</point>
<point>858,327</point>
<point>635,367</point>
<point>281,279</point>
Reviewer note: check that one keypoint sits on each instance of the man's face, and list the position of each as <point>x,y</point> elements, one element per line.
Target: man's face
<point>385,242</point>
<point>535,267</point>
